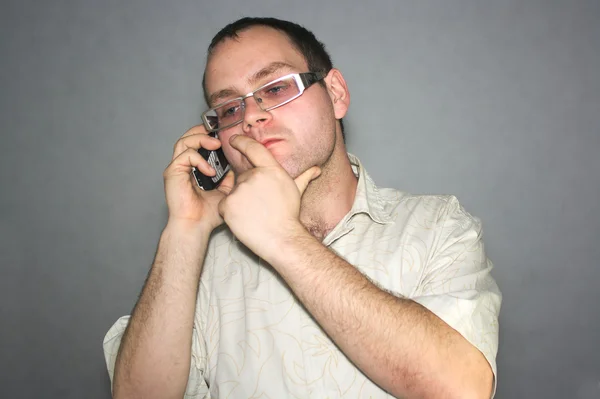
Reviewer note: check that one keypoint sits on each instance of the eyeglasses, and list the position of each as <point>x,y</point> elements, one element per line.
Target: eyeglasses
<point>270,96</point>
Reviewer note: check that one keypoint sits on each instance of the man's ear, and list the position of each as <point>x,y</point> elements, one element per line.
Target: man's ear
<point>338,92</point>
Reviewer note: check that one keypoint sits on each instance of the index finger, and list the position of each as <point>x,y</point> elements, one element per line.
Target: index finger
<point>257,154</point>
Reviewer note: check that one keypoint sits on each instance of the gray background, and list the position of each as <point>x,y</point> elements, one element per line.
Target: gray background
<point>495,102</point>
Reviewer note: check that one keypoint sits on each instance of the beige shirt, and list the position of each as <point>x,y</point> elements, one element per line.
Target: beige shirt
<point>253,339</point>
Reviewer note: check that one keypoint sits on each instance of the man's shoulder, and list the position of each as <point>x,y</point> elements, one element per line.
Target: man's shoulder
<point>395,195</point>
<point>398,203</point>
<point>387,203</point>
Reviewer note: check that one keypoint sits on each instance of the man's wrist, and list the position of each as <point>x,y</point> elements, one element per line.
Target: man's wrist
<point>289,246</point>
<point>188,227</point>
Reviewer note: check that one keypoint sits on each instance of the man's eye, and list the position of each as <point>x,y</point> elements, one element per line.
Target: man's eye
<point>226,112</point>
<point>276,89</point>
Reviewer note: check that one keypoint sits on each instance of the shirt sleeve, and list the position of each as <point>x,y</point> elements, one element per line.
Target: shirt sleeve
<point>456,284</point>
<point>197,387</point>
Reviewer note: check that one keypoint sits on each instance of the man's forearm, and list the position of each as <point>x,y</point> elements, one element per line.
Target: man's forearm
<point>399,344</point>
<point>155,352</point>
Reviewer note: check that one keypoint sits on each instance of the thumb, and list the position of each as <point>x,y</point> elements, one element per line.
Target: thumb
<point>227,184</point>
<point>221,207</point>
<point>306,177</point>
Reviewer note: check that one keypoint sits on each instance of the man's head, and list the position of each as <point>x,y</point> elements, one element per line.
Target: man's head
<point>253,51</point>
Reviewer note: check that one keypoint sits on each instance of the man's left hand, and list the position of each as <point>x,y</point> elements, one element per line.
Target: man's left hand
<point>263,208</point>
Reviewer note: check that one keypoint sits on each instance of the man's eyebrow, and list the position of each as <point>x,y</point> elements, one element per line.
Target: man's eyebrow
<point>268,71</point>
<point>229,92</point>
<point>252,81</point>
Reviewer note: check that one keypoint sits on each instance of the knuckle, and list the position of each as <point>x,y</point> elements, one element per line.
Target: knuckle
<point>167,171</point>
<point>185,157</point>
<point>190,152</point>
<point>178,141</point>
<point>176,145</point>
<point>194,129</point>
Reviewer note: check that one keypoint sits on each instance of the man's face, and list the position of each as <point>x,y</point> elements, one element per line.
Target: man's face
<point>302,132</point>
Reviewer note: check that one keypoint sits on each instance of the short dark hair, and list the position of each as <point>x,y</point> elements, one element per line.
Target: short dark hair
<point>313,51</point>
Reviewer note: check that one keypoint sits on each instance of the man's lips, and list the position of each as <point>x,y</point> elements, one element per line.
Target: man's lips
<point>269,142</point>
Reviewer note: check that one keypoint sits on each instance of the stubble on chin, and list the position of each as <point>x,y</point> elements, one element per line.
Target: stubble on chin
<point>291,164</point>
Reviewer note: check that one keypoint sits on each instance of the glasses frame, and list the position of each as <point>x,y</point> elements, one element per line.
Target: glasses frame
<point>303,80</point>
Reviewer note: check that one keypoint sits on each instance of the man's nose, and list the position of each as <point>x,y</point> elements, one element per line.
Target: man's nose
<point>254,115</point>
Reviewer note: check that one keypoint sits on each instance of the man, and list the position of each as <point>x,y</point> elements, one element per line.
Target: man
<point>298,277</point>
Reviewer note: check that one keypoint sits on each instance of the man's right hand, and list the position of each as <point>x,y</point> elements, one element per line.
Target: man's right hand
<point>188,203</point>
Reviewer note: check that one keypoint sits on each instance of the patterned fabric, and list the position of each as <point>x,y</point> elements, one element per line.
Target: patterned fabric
<point>253,339</point>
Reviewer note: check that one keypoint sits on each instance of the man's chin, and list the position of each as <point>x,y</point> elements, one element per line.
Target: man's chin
<point>281,156</point>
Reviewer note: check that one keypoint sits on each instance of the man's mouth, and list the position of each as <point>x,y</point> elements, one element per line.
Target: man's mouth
<point>270,142</point>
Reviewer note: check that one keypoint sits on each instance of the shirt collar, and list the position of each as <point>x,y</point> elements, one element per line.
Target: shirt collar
<point>367,199</point>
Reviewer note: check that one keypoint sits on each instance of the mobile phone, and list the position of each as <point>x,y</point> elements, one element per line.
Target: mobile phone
<point>217,160</point>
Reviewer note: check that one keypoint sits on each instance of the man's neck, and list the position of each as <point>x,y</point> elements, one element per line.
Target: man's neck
<point>329,197</point>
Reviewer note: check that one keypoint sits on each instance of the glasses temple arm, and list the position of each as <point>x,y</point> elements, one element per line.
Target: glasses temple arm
<point>308,78</point>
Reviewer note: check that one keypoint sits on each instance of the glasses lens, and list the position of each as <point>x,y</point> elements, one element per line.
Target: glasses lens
<point>225,115</point>
<point>211,119</point>
<point>277,93</point>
